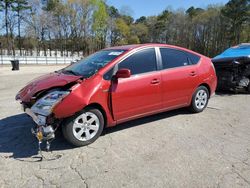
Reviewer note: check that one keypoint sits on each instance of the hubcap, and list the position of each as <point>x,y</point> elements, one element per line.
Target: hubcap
<point>201,99</point>
<point>86,126</point>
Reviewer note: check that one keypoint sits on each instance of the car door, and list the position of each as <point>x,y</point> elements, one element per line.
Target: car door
<point>179,77</point>
<point>141,93</point>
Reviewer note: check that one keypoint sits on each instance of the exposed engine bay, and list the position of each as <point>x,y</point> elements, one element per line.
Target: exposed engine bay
<point>40,109</point>
<point>233,74</point>
<point>41,113</point>
<point>233,68</point>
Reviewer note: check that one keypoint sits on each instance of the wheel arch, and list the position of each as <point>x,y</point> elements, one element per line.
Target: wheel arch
<point>99,107</point>
<point>207,86</point>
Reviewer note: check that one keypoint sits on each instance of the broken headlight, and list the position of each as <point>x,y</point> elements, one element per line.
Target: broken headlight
<point>45,105</point>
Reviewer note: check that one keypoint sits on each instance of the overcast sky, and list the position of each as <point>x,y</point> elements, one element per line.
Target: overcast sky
<point>154,7</point>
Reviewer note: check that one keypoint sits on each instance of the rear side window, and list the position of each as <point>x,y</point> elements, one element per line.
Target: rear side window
<point>173,58</point>
<point>194,59</point>
<point>140,62</point>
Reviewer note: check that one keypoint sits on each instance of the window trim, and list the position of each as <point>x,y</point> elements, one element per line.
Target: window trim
<point>157,58</point>
<point>182,51</point>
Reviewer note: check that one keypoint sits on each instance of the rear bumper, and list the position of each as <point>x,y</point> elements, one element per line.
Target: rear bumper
<point>38,119</point>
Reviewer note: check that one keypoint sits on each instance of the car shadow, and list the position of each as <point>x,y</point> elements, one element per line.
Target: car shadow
<point>145,120</point>
<point>230,93</point>
<point>16,138</point>
<point>17,141</point>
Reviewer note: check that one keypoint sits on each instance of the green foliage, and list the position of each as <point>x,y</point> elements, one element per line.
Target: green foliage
<point>142,19</point>
<point>140,31</point>
<point>1,6</point>
<point>20,5</point>
<point>6,4</point>
<point>193,12</point>
<point>50,5</point>
<point>133,40</point>
<point>237,13</point>
<point>113,12</point>
<point>100,18</point>
<point>128,19</point>
<point>89,25</point>
<point>122,28</point>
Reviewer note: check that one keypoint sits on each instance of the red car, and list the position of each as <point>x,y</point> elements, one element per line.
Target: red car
<point>116,85</point>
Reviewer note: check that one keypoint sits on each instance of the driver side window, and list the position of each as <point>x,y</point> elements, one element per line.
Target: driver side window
<point>140,62</point>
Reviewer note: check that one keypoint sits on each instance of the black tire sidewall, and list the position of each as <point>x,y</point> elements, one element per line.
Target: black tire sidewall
<point>248,88</point>
<point>193,105</point>
<point>67,127</point>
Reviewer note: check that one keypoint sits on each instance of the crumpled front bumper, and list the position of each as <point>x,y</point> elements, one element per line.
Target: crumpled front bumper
<point>38,119</point>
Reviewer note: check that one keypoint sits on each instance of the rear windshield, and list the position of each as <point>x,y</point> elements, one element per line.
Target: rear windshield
<point>91,64</point>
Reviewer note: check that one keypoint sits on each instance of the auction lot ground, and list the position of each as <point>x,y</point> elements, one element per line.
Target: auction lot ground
<point>172,149</point>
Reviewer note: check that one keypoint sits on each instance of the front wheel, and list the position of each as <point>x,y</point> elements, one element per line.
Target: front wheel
<point>200,99</point>
<point>248,88</point>
<point>84,127</point>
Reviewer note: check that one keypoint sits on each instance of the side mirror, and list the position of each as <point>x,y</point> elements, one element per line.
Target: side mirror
<point>123,73</point>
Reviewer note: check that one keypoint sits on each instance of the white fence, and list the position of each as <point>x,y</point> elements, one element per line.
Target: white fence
<point>5,60</point>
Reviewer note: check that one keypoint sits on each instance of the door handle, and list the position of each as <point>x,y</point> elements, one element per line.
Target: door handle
<point>155,81</point>
<point>193,73</point>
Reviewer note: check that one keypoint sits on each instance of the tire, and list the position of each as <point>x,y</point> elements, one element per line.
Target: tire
<point>248,88</point>
<point>83,128</point>
<point>199,99</point>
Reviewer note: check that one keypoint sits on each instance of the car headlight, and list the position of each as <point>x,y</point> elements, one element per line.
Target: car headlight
<point>45,105</point>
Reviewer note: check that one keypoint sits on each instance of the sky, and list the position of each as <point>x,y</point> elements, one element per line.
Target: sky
<point>140,8</point>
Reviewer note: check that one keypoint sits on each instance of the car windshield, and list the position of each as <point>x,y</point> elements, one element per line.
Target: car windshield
<point>91,64</point>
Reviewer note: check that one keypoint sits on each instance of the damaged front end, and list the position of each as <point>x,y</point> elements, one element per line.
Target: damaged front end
<point>233,74</point>
<point>233,69</point>
<point>40,97</point>
<point>42,114</point>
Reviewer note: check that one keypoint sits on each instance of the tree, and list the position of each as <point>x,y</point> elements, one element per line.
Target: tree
<point>6,5</point>
<point>142,19</point>
<point>192,12</point>
<point>161,26</point>
<point>100,18</point>
<point>50,5</point>
<point>139,31</point>
<point>84,26</point>
<point>18,7</point>
<point>237,13</point>
<point>122,32</point>
<point>113,15</point>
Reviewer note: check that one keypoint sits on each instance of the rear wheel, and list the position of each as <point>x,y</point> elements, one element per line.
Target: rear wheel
<point>199,100</point>
<point>84,128</point>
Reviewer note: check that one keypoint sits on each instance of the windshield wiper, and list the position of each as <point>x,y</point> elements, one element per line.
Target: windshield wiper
<point>58,71</point>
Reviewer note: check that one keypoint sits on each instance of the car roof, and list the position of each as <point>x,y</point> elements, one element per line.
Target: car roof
<point>136,46</point>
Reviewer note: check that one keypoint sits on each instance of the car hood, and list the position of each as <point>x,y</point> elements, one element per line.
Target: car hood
<point>237,53</point>
<point>44,82</point>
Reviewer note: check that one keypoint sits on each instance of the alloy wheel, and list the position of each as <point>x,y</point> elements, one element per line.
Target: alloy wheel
<point>86,126</point>
<point>201,99</point>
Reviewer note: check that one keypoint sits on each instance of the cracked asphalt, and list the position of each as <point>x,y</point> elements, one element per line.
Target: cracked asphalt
<point>172,149</point>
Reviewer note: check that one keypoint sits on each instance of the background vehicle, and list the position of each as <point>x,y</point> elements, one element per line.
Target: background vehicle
<point>117,85</point>
<point>233,68</point>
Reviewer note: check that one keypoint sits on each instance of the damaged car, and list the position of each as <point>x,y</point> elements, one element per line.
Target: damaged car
<point>116,85</point>
<point>233,68</point>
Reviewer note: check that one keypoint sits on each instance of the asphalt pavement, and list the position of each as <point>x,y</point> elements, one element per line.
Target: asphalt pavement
<point>171,149</point>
